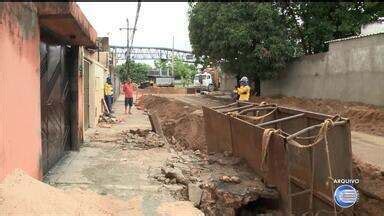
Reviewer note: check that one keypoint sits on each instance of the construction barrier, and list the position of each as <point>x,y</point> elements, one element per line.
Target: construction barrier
<point>297,152</point>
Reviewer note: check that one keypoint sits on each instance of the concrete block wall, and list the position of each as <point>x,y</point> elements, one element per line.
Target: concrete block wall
<point>352,70</point>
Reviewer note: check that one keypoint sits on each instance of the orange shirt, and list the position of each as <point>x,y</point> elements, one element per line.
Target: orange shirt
<point>128,90</point>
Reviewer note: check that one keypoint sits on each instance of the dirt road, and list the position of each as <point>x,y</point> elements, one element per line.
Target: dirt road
<point>104,166</point>
<point>366,147</point>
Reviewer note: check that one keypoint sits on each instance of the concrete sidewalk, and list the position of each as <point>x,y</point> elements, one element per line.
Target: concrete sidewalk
<point>103,166</point>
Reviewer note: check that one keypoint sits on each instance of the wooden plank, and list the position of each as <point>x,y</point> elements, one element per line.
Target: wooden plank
<point>105,105</point>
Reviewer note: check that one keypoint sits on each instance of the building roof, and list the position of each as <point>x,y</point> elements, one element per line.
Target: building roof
<point>353,37</point>
<point>68,22</point>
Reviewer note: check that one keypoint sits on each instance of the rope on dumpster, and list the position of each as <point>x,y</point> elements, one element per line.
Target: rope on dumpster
<point>298,137</point>
<point>324,127</point>
<point>263,103</point>
<point>268,132</point>
<point>322,135</point>
<point>254,119</point>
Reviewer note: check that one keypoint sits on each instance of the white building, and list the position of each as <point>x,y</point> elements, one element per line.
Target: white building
<point>373,28</point>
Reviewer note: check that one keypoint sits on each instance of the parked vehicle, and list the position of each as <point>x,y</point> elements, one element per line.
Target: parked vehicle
<point>208,80</point>
<point>162,81</point>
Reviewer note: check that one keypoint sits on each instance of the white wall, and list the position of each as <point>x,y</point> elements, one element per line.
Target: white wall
<point>97,76</point>
<point>372,28</point>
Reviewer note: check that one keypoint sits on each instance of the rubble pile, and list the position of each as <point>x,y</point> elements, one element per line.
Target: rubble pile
<point>106,120</point>
<point>142,139</point>
<point>181,170</point>
<point>218,184</point>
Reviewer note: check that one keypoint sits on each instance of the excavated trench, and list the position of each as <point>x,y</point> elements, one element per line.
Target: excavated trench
<point>228,186</point>
<point>183,126</point>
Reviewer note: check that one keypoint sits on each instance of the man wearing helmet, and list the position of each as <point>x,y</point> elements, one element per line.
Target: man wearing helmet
<point>244,90</point>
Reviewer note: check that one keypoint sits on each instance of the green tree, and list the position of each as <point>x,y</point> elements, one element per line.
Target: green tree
<point>138,72</point>
<point>313,23</point>
<point>244,38</point>
<point>183,71</point>
<point>162,64</point>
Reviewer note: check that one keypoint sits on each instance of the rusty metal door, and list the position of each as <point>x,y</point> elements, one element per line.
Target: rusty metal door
<point>55,104</point>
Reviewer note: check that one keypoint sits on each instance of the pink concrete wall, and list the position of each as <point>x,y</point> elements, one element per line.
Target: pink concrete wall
<point>20,139</point>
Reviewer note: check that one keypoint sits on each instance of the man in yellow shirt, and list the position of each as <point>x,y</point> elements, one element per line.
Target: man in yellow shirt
<point>108,94</point>
<point>244,91</point>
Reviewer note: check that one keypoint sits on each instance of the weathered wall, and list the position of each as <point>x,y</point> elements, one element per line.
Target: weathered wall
<point>97,76</point>
<point>101,57</point>
<point>352,70</point>
<point>228,82</point>
<point>20,140</point>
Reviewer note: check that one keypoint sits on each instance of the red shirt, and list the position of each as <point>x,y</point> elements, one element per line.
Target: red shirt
<point>128,90</point>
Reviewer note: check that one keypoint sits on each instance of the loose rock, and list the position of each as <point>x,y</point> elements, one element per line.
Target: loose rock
<point>194,194</point>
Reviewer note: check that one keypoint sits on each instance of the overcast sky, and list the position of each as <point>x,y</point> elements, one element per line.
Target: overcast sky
<point>157,23</point>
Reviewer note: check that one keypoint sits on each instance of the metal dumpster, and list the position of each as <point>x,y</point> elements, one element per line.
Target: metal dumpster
<point>296,151</point>
<point>217,126</point>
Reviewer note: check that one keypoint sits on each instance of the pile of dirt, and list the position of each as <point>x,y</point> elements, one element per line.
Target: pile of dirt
<point>371,188</point>
<point>21,194</point>
<point>182,124</point>
<point>142,139</point>
<point>365,118</point>
<point>165,90</point>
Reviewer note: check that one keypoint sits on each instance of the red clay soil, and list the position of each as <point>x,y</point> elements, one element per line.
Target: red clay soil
<point>162,90</point>
<point>21,194</point>
<point>371,189</point>
<point>365,118</point>
<point>179,120</point>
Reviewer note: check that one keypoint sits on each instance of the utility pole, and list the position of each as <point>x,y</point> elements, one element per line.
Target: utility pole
<point>128,49</point>
<point>127,57</point>
<point>173,48</point>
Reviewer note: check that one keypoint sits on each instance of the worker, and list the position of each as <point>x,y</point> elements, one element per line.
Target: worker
<point>244,91</point>
<point>108,94</point>
<point>128,88</point>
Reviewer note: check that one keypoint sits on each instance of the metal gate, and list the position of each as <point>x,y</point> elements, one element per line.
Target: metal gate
<point>55,103</point>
